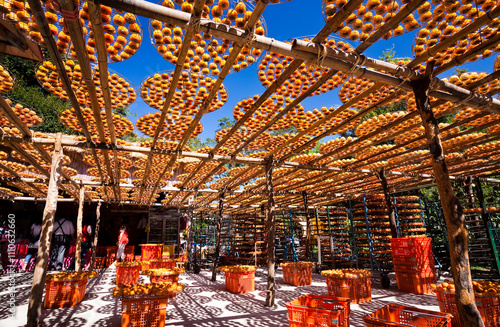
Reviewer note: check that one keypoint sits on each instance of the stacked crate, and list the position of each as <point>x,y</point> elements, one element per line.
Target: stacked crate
<point>413,264</point>
<point>409,214</point>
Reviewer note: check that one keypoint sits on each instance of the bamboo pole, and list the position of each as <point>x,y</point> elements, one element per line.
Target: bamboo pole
<point>452,209</point>
<point>75,30</point>
<point>42,259</point>
<point>452,92</point>
<point>79,218</point>
<point>217,237</point>
<point>388,202</point>
<point>189,245</point>
<point>44,29</point>
<point>193,26</point>
<point>308,226</point>
<point>96,235</point>
<point>271,233</point>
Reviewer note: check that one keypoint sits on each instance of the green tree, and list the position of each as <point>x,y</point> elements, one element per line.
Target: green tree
<point>225,122</point>
<point>28,91</point>
<point>196,143</point>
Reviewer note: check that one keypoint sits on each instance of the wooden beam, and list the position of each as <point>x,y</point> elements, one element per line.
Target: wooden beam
<point>217,237</point>
<point>96,235</point>
<point>308,226</point>
<point>42,259</point>
<point>388,203</point>
<point>271,233</point>
<point>79,218</point>
<point>189,245</point>
<point>452,209</point>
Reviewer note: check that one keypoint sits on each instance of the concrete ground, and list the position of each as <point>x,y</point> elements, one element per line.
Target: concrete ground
<point>202,303</point>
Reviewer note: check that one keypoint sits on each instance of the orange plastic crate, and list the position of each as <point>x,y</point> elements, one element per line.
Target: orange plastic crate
<point>162,264</point>
<point>398,315</point>
<point>489,308</point>
<point>127,275</point>
<point>319,310</point>
<point>414,264</point>
<point>242,282</point>
<point>415,282</point>
<point>110,255</point>
<point>411,246</point>
<point>64,294</point>
<point>144,311</point>
<point>164,278</point>
<point>151,251</point>
<point>359,290</point>
<point>297,276</point>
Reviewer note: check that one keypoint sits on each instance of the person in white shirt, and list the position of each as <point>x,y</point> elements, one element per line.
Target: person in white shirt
<point>61,238</point>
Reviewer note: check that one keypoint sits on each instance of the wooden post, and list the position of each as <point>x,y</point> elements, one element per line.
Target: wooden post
<point>388,202</point>
<point>189,237</point>
<point>217,237</point>
<point>271,233</point>
<point>96,234</point>
<point>78,251</point>
<point>308,226</point>
<point>458,235</point>
<point>42,259</point>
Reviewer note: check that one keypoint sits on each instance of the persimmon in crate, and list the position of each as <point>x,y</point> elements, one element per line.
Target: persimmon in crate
<point>66,289</point>
<point>147,311</point>
<point>354,284</point>
<point>151,251</point>
<point>486,294</point>
<point>164,275</point>
<point>393,315</point>
<point>161,263</point>
<point>319,310</point>
<point>240,278</point>
<point>127,273</point>
<point>297,273</point>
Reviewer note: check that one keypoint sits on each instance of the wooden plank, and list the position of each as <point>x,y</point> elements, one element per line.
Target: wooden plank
<point>271,233</point>
<point>79,218</point>
<point>217,237</point>
<point>96,234</point>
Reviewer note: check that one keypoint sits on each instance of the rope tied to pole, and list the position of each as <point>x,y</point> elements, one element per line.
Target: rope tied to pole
<point>468,98</point>
<point>250,38</point>
<point>322,53</point>
<point>360,61</point>
<point>68,15</point>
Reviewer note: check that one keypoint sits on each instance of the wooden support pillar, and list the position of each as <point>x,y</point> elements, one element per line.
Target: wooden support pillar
<point>271,233</point>
<point>458,235</point>
<point>42,259</point>
<point>217,237</point>
<point>388,202</point>
<point>189,247</point>
<point>96,234</point>
<point>79,218</point>
<point>308,226</point>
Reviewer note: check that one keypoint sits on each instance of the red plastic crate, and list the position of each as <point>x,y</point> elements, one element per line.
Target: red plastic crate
<point>241,282</point>
<point>411,246</point>
<point>161,264</point>
<point>318,310</point>
<point>144,311</point>
<point>413,264</point>
<point>398,315</point>
<point>64,293</point>
<point>415,282</point>
<point>110,255</point>
<point>151,251</point>
<point>127,275</point>
<point>297,276</point>
<point>164,278</point>
<point>489,308</point>
<point>359,290</point>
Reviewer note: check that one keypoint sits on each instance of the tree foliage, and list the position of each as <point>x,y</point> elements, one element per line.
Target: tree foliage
<point>28,91</point>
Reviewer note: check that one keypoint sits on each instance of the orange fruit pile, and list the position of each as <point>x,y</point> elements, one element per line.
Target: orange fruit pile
<point>122,125</point>
<point>242,134</point>
<point>6,80</point>
<point>273,64</point>
<point>207,53</point>
<point>174,127</point>
<point>122,92</point>
<point>25,114</point>
<point>192,90</point>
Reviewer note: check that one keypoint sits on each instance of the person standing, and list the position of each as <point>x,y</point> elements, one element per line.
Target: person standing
<point>86,243</point>
<point>63,232</point>
<point>35,230</point>
<point>122,243</point>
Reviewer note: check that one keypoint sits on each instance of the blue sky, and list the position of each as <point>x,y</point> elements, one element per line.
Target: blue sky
<point>293,19</point>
